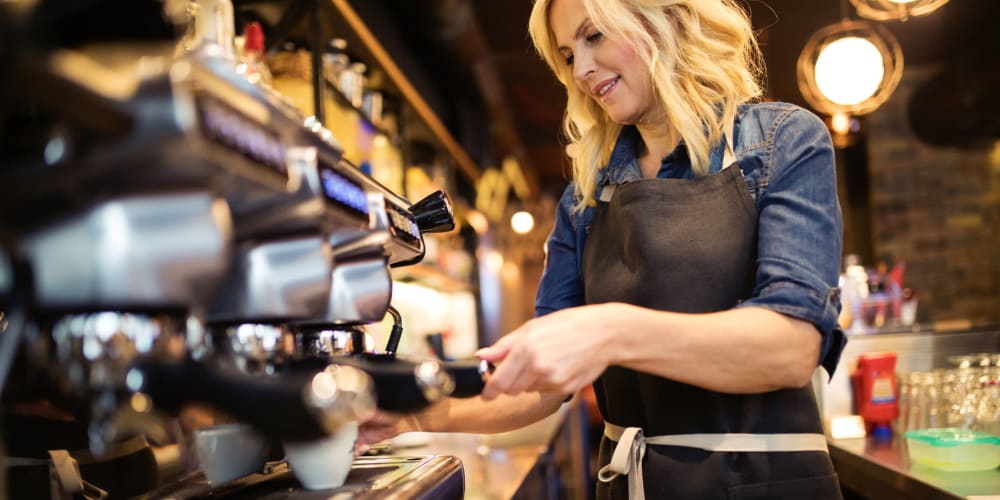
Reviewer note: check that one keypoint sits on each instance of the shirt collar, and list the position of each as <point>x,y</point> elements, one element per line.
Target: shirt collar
<point>622,166</point>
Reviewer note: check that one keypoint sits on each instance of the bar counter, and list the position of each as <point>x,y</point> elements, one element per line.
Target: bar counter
<point>490,473</point>
<point>540,461</point>
<point>879,470</point>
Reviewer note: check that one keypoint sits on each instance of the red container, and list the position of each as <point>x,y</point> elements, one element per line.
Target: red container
<point>875,394</point>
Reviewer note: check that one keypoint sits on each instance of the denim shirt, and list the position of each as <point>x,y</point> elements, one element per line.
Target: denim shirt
<point>787,160</point>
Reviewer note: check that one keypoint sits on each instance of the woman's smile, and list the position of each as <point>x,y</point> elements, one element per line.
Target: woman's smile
<point>604,88</point>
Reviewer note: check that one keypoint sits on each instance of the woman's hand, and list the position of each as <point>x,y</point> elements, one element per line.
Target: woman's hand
<point>561,352</point>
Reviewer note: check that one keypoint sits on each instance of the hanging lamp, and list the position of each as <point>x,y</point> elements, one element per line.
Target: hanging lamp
<point>895,10</point>
<point>851,67</point>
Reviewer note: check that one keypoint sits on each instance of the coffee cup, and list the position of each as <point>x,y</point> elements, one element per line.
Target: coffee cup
<point>323,464</point>
<point>229,451</point>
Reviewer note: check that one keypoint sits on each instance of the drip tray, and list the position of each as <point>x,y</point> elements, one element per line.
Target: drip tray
<point>436,476</point>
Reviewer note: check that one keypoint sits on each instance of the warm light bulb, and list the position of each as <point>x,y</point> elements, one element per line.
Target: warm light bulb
<point>840,123</point>
<point>849,70</point>
<point>522,222</point>
<point>494,261</point>
<point>478,221</point>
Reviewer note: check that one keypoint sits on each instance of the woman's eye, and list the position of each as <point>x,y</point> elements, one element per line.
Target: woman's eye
<point>594,37</point>
<point>569,60</point>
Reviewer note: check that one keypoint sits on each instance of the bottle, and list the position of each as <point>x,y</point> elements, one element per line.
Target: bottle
<point>335,61</point>
<point>352,83</point>
<point>212,25</point>
<point>854,292</point>
<point>252,57</point>
<point>874,383</point>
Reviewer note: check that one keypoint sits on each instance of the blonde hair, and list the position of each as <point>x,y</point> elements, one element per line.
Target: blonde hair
<point>703,60</point>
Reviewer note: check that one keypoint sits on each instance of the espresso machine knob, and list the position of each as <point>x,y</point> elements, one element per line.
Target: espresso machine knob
<point>434,213</point>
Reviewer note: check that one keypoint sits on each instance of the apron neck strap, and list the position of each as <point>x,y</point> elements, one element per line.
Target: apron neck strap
<point>729,157</point>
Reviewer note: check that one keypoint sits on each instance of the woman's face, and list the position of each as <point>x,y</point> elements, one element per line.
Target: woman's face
<point>606,69</point>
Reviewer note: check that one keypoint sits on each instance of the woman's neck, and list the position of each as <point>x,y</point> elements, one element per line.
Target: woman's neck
<point>658,140</point>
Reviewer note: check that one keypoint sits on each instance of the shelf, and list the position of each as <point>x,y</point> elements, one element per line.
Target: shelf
<point>347,23</point>
<point>383,59</point>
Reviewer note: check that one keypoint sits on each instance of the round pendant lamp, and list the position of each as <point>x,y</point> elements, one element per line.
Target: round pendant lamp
<point>851,67</point>
<point>895,10</point>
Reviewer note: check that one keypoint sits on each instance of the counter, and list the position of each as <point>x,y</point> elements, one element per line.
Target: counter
<point>545,460</point>
<point>883,470</point>
<point>921,349</point>
<point>490,473</point>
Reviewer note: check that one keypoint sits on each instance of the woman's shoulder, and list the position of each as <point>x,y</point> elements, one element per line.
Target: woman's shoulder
<point>758,123</point>
<point>768,116</point>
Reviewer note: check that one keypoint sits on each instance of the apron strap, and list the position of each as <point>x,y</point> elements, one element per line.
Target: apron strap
<point>626,460</point>
<point>729,156</point>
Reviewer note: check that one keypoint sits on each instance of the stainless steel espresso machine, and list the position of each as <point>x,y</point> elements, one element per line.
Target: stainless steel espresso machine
<point>173,236</point>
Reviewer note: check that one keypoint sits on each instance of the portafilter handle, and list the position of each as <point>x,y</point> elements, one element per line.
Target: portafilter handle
<point>434,213</point>
<point>470,376</point>
<point>292,406</point>
<point>401,386</point>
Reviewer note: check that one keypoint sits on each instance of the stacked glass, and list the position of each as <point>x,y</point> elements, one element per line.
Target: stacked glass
<point>966,396</point>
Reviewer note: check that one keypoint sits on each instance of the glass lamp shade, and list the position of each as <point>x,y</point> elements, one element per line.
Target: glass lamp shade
<point>895,10</point>
<point>850,67</point>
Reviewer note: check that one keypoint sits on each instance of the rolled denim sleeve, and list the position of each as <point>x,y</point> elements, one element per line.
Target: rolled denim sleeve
<point>561,285</point>
<point>801,233</point>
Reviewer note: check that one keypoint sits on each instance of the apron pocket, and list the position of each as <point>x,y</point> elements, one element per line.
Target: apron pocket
<point>813,488</point>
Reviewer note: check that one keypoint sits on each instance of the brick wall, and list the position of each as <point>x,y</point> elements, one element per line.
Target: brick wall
<point>938,210</point>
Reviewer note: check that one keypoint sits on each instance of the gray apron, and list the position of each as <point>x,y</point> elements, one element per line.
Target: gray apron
<point>689,245</point>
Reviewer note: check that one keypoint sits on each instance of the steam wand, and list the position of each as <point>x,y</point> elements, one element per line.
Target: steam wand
<point>397,332</point>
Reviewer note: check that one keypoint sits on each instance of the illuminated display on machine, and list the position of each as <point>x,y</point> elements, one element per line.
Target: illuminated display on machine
<point>242,135</point>
<point>403,224</point>
<point>343,191</point>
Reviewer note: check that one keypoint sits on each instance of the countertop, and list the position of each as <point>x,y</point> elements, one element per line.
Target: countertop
<point>490,473</point>
<point>496,465</point>
<point>883,470</point>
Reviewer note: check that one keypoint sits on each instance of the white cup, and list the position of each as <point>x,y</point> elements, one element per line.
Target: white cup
<point>323,463</point>
<point>229,451</point>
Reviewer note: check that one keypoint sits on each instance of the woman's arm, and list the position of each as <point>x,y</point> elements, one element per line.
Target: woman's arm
<point>502,414</point>
<point>745,350</point>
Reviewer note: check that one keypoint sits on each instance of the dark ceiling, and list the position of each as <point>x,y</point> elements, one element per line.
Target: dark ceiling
<point>961,32</point>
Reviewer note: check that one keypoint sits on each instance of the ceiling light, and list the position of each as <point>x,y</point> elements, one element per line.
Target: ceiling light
<point>895,10</point>
<point>522,222</point>
<point>849,70</point>
<point>850,67</point>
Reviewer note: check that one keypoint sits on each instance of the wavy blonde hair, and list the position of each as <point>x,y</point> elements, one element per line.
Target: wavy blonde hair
<point>702,57</point>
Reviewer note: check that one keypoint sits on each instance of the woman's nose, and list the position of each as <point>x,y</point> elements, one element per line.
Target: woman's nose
<point>583,65</point>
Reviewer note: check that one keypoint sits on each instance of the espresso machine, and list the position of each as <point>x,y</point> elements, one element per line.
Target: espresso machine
<point>184,236</point>
<point>108,267</point>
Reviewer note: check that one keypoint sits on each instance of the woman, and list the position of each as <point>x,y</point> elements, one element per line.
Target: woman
<point>691,272</point>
